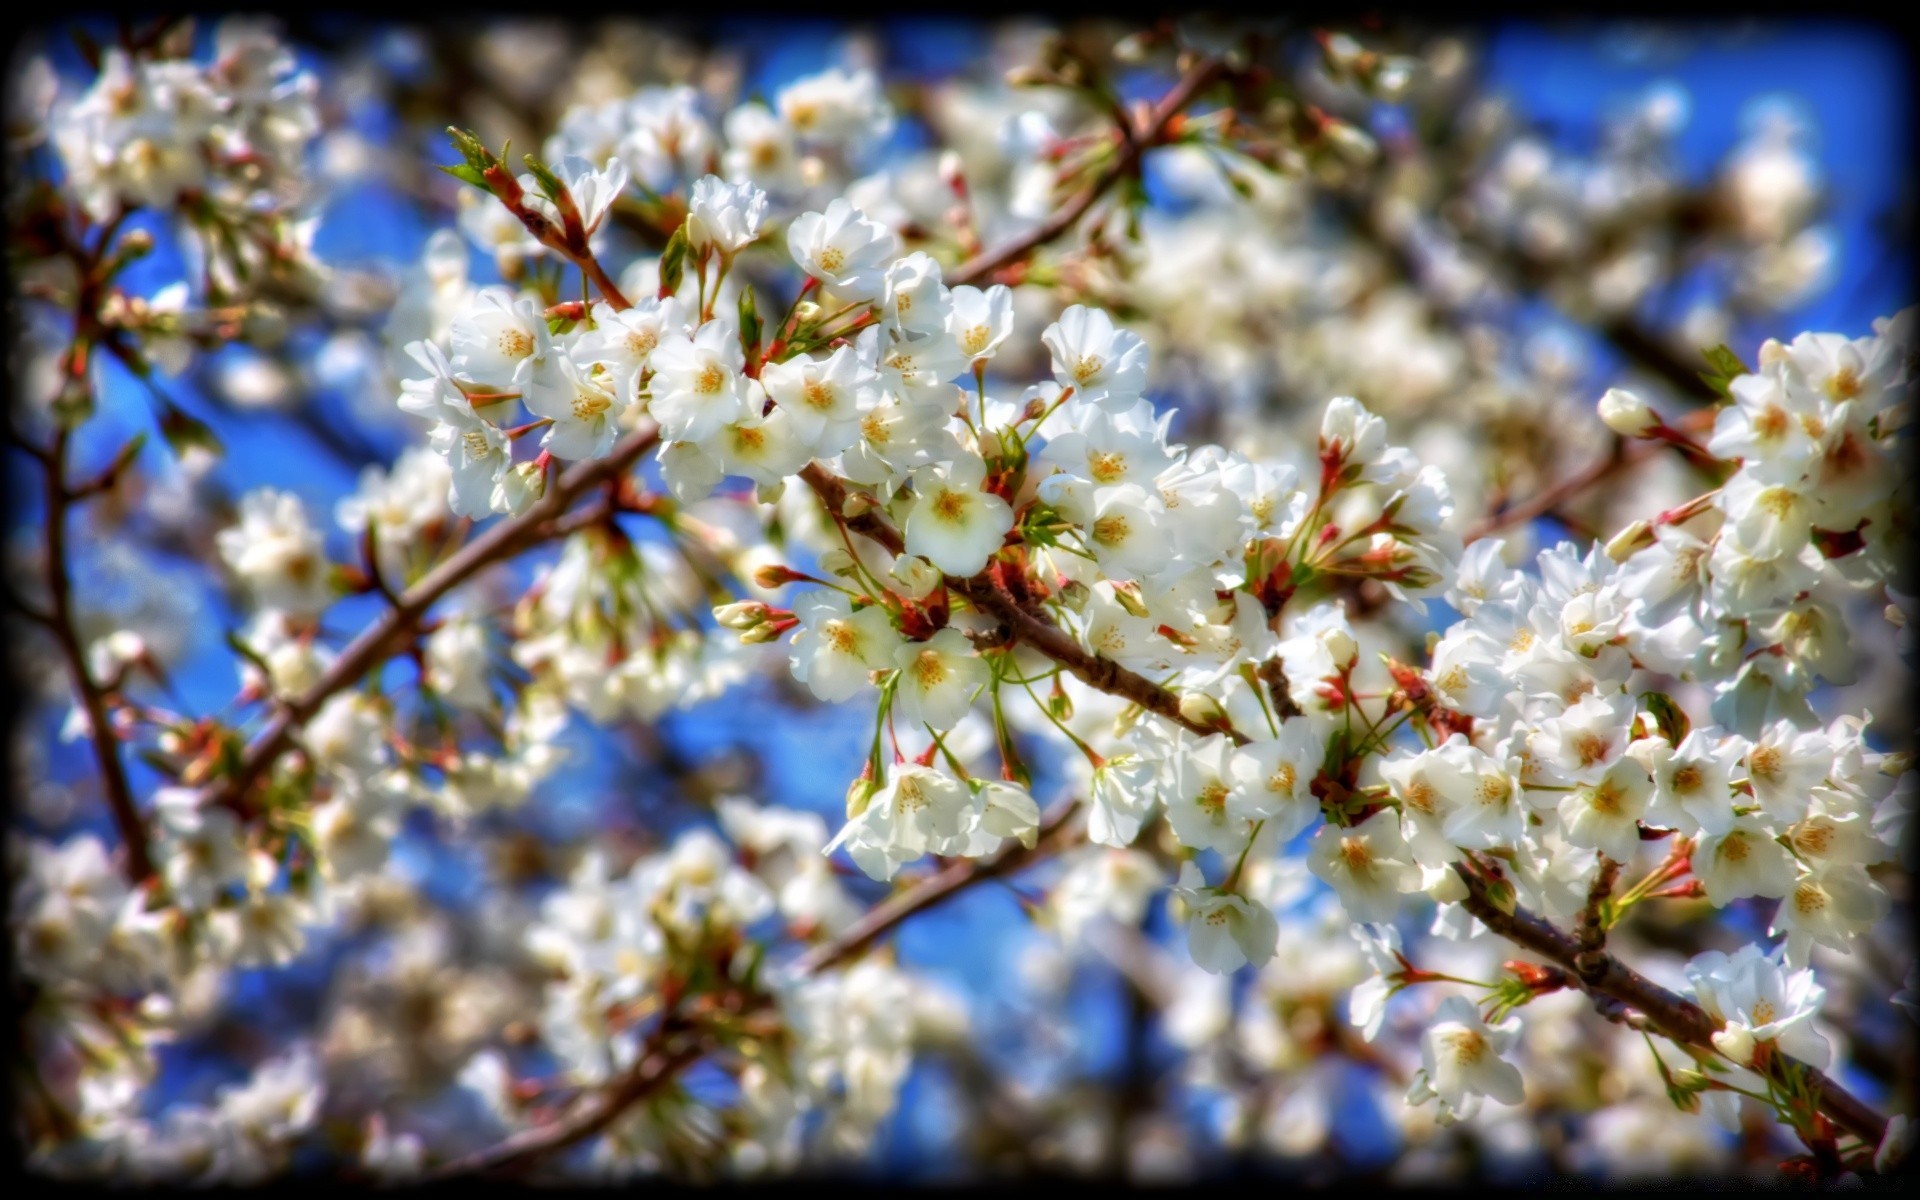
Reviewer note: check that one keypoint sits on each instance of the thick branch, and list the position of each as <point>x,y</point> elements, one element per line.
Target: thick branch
<point>385,637</point>
<point>1674,1016</point>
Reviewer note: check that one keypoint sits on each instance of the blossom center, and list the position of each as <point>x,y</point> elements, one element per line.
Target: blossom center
<point>516,343</point>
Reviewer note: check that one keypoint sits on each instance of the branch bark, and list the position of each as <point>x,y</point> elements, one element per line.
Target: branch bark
<point>1676,1017</point>
<point>106,745</point>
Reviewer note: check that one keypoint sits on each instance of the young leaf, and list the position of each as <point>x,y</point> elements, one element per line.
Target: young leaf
<point>1726,368</point>
<point>673,261</point>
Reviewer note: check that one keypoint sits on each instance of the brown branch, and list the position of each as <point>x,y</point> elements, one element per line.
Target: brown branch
<point>1037,630</point>
<point>543,522</point>
<point>106,745</point>
<point>594,1112</point>
<point>657,1065</point>
<point>1619,456</point>
<point>1133,145</point>
<point>1590,928</point>
<point>935,889</point>
<point>1674,1016</point>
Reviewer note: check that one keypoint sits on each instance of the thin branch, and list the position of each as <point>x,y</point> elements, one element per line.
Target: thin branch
<point>384,638</point>
<point>1133,145</point>
<point>955,878</point>
<point>106,745</point>
<point>1037,630</point>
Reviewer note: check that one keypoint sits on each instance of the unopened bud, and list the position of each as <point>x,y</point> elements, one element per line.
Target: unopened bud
<point>1198,708</point>
<point>1736,1042</point>
<point>1074,595</point>
<point>744,614</point>
<point>774,575</point>
<point>1128,594</point>
<point>806,312</point>
<point>1501,895</point>
<point>1340,646</point>
<point>1630,539</point>
<point>767,631</point>
<point>856,505</point>
<point>1352,143</point>
<point>951,172</point>
<point>916,576</point>
<point>519,489</point>
<point>859,795</point>
<point>1627,414</point>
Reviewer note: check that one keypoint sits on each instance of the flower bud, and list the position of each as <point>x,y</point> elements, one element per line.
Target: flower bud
<point>774,575</point>
<point>916,576</point>
<point>1074,595</point>
<point>1627,414</point>
<point>746,614</point>
<point>1736,1042</point>
<point>1340,646</point>
<point>1449,888</point>
<point>1128,594</point>
<point>1202,709</point>
<point>806,311</point>
<point>1352,143</point>
<point>770,493</point>
<point>1772,351</point>
<point>1501,895</point>
<point>1630,539</point>
<point>857,505</point>
<point>766,631</point>
<point>519,489</point>
<point>860,794</point>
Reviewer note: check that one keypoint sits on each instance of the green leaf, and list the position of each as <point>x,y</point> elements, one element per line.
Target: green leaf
<point>473,150</point>
<point>1726,368</point>
<point>184,432</point>
<point>749,321</point>
<point>466,173</point>
<point>1667,715</point>
<point>673,260</point>
<point>235,644</point>
<point>550,185</point>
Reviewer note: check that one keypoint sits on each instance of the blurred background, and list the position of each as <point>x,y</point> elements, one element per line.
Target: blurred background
<point>1550,209</point>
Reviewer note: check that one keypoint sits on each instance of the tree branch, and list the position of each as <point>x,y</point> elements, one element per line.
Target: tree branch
<point>379,641</point>
<point>1674,1016</point>
<point>1134,144</point>
<point>106,745</point>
